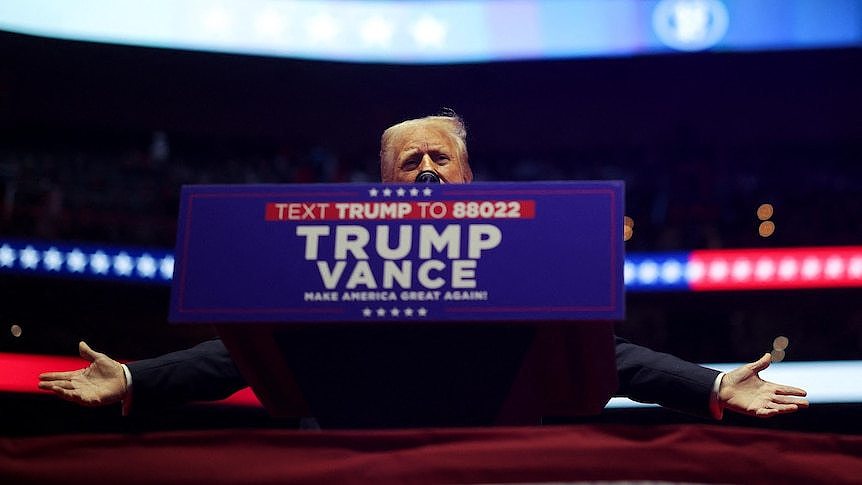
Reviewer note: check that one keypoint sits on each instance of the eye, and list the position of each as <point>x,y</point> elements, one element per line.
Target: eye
<point>442,159</point>
<point>410,164</point>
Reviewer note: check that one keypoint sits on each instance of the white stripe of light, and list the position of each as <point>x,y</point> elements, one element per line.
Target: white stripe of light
<point>322,28</point>
<point>428,31</point>
<point>376,32</point>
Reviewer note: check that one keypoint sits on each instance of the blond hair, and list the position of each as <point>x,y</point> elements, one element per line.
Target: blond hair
<point>448,120</point>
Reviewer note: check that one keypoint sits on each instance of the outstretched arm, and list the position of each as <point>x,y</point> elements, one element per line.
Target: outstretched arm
<point>102,382</point>
<point>203,372</point>
<point>743,391</point>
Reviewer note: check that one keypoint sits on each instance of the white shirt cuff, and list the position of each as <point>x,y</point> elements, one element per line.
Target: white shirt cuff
<point>715,408</point>
<point>126,400</point>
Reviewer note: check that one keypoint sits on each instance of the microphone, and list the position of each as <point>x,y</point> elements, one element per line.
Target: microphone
<point>427,177</point>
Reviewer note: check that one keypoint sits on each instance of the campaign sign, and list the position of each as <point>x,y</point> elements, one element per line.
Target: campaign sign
<point>399,253</point>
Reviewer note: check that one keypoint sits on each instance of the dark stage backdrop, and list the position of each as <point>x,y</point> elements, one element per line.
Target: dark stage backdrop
<point>728,129</point>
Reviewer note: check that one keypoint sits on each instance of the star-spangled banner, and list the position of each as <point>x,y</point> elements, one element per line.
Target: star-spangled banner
<point>702,270</point>
<point>88,261</point>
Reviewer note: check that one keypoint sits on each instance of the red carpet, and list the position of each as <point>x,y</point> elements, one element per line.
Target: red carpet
<point>538,454</point>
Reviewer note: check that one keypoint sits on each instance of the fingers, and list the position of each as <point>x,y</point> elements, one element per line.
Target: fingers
<point>802,403</point>
<point>790,391</point>
<point>775,409</point>
<point>73,395</point>
<point>780,404</point>
<point>58,376</point>
<point>62,384</point>
<point>69,393</point>
<point>86,352</point>
<point>761,363</point>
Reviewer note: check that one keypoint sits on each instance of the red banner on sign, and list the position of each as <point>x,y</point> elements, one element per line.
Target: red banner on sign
<point>408,210</point>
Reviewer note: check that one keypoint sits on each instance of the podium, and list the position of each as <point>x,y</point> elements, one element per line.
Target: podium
<point>376,305</point>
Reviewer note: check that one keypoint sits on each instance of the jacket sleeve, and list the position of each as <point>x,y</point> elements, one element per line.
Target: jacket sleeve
<point>655,377</point>
<point>201,373</point>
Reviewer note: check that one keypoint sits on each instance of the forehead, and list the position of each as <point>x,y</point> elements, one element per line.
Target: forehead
<point>425,136</point>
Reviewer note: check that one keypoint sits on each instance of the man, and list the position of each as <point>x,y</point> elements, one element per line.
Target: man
<point>430,149</point>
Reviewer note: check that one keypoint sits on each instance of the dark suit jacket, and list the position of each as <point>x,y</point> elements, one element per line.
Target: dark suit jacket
<point>207,372</point>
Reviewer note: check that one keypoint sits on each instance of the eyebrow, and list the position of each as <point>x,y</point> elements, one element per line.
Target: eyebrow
<point>410,151</point>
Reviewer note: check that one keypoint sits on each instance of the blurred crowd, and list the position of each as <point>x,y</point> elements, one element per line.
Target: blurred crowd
<point>681,195</point>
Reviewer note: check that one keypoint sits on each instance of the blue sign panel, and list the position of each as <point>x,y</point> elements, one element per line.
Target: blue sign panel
<point>405,253</point>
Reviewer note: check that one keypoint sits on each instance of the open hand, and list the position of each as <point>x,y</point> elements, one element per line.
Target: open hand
<point>102,382</point>
<point>743,391</point>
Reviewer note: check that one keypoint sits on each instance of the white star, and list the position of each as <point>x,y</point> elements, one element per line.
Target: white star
<point>52,259</point>
<point>426,191</point>
<point>381,312</point>
<point>99,262</point>
<point>414,192</point>
<point>366,312</point>
<point>387,192</point>
<point>408,312</point>
<point>166,267</point>
<point>376,31</point>
<point>123,264</point>
<point>7,256</point>
<point>394,312</point>
<point>422,311</point>
<point>146,266</point>
<point>76,261</point>
<point>29,258</point>
<point>372,192</point>
<point>400,191</point>
<point>429,32</point>
<point>322,28</point>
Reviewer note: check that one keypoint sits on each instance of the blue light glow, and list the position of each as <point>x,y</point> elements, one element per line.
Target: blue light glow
<point>87,261</point>
<point>39,258</point>
<point>444,31</point>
